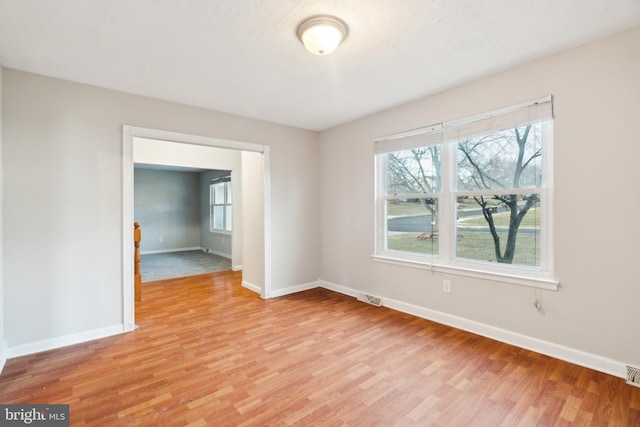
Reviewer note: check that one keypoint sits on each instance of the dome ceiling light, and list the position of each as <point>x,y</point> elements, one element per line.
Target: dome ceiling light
<point>321,35</point>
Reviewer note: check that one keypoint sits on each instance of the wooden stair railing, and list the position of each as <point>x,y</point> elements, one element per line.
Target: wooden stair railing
<point>137,277</point>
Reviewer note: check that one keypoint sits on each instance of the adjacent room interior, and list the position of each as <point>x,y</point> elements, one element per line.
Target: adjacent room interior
<point>167,205</point>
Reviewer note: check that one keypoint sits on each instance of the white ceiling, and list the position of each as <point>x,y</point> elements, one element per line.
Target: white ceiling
<point>243,57</point>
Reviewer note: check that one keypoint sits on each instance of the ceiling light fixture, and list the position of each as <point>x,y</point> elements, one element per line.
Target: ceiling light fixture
<point>321,35</point>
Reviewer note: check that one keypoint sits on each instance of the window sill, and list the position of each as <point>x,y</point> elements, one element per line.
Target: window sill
<point>221,232</point>
<point>514,279</point>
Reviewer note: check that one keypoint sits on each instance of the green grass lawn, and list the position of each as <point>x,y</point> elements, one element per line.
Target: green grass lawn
<point>471,245</point>
<point>474,245</point>
<point>480,246</point>
<point>409,242</point>
<point>501,219</point>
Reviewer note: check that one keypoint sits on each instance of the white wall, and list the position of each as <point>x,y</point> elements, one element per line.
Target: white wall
<point>63,202</point>
<point>253,207</point>
<point>169,153</point>
<point>167,206</point>
<point>596,150</point>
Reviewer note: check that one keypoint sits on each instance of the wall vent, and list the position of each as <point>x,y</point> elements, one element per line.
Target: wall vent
<point>633,376</point>
<point>370,299</point>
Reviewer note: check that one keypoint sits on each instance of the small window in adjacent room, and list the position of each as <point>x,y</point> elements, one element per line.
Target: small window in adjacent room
<point>220,213</point>
<point>470,195</point>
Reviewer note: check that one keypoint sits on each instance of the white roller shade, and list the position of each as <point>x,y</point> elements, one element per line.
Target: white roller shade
<point>429,135</point>
<point>530,112</point>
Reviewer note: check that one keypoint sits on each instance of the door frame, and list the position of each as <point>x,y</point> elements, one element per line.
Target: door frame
<point>131,132</point>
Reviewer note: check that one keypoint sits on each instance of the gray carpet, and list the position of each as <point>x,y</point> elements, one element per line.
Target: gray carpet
<point>180,264</point>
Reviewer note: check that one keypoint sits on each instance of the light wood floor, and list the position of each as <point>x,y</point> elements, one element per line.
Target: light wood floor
<point>210,353</point>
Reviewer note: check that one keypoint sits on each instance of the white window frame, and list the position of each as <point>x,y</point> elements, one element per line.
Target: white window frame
<point>227,224</point>
<point>446,135</point>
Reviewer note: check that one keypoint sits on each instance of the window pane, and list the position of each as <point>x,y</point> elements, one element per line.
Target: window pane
<point>506,159</point>
<point>518,240</point>
<point>412,225</point>
<point>219,194</point>
<point>414,171</point>
<point>218,217</point>
<point>228,188</point>
<point>228,216</point>
<point>211,221</point>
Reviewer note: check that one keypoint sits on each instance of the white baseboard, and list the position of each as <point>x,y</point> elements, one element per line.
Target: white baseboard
<point>164,251</point>
<point>251,287</point>
<point>3,355</point>
<point>237,268</point>
<point>338,288</point>
<point>280,292</point>
<point>571,355</point>
<point>63,341</point>
<point>211,251</point>
<point>292,290</point>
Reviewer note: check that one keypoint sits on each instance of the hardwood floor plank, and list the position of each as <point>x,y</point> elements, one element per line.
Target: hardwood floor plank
<point>209,352</point>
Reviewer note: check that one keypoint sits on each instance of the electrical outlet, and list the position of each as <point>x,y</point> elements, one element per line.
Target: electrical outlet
<point>446,286</point>
<point>160,239</point>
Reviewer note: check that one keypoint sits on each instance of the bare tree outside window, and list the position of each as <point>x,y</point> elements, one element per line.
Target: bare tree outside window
<point>471,196</point>
<point>496,196</point>
<point>502,162</point>
<point>416,175</point>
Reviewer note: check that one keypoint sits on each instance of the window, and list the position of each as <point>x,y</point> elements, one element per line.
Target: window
<point>471,195</point>
<point>220,212</point>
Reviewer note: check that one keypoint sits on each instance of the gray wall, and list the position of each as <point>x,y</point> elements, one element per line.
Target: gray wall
<point>595,312</point>
<point>63,154</point>
<point>167,206</point>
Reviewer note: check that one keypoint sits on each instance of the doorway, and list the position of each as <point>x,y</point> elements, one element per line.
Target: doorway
<point>256,262</point>
<point>187,219</point>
